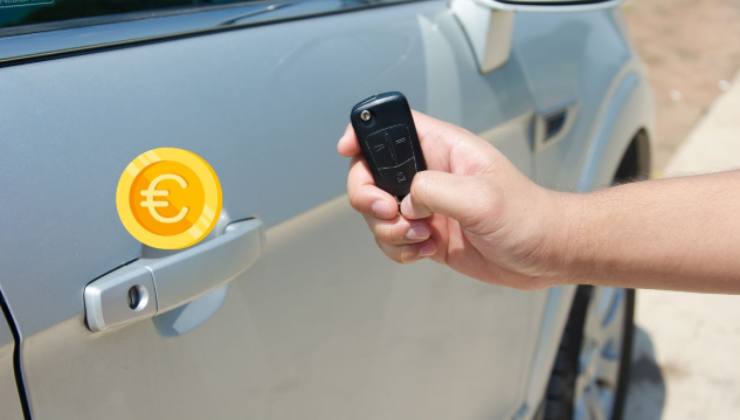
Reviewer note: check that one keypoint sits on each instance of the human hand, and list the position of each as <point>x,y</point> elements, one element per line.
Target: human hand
<point>471,210</point>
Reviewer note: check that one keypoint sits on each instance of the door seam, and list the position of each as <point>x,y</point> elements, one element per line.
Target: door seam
<point>17,371</point>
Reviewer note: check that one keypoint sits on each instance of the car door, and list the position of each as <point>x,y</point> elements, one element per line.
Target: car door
<point>321,325</point>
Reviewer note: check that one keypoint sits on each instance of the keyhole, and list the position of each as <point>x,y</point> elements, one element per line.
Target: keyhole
<point>138,297</point>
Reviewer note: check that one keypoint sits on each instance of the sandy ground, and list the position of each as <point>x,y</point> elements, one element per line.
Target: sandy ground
<point>691,49</point>
<point>686,362</point>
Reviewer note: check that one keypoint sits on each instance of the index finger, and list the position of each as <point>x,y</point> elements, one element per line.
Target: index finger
<point>364,196</point>
<point>348,145</point>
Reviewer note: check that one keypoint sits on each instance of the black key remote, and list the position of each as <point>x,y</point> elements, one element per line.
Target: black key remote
<point>387,135</point>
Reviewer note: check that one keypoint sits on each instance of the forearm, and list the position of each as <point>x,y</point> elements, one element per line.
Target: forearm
<point>681,234</point>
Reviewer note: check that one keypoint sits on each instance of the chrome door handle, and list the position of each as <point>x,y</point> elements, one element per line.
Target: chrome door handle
<point>150,286</point>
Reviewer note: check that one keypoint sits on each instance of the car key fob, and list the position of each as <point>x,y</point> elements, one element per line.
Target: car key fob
<point>389,143</point>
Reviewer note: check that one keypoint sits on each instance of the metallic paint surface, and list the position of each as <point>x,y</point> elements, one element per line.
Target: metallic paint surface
<point>323,326</point>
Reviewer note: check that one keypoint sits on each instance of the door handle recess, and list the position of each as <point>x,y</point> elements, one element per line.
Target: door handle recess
<point>151,286</point>
<point>554,123</point>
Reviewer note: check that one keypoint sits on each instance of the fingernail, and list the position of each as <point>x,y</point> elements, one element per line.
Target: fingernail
<point>383,209</point>
<point>417,232</point>
<point>428,249</point>
<point>406,205</point>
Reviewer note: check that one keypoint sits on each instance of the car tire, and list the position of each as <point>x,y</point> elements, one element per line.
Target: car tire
<point>566,390</point>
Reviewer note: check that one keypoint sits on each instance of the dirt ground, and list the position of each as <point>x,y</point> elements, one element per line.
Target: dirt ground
<point>691,49</point>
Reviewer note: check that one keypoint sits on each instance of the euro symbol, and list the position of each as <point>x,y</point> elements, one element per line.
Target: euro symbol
<point>152,204</point>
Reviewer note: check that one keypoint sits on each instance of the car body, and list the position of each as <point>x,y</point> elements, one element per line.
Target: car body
<point>321,325</point>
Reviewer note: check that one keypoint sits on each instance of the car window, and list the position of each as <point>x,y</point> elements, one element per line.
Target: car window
<point>15,13</point>
<point>85,25</point>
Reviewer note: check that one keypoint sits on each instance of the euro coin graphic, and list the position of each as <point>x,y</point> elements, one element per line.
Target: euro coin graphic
<point>169,198</point>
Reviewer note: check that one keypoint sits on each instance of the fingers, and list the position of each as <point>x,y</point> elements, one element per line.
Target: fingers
<point>426,125</point>
<point>409,253</point>
<point>403,240</point>
<point>400,239</point>
<point>348,145</point>
<point>364,196</point>
<point>463,198</point>
<point>399,231</point>
<point>439,139</point>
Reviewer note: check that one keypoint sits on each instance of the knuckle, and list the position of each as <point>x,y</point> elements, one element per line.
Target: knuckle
<point>397,234</point>
<point>381,233</point>
<point>354,200</point>
<point>392,252</point>
<point>387,234</point>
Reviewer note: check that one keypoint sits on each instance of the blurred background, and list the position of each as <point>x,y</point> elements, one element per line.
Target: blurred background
<point>685,347</point>
<point>691,49</point>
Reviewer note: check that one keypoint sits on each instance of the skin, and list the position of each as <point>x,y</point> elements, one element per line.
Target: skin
<point>475,212</point>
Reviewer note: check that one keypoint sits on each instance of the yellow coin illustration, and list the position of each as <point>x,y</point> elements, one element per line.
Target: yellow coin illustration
<point>169,198</point>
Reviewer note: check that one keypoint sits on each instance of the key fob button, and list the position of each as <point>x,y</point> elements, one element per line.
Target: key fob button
<point>398,137</point>
<point>379,150</point>
<point>399,176</point>
<point>390,147</point>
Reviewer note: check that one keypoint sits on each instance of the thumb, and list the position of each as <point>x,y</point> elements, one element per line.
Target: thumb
<point>455,196</point>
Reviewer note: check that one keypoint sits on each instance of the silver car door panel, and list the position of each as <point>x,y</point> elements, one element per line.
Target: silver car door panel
<point>322,326</point>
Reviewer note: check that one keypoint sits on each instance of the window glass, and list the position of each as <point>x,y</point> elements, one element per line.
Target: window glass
<point>14,13</point>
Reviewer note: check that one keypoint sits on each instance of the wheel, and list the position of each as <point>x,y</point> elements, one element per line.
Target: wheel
<point>591,372</point>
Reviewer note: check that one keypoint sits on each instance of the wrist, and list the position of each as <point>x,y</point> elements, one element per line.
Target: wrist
<point>569,246</point>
